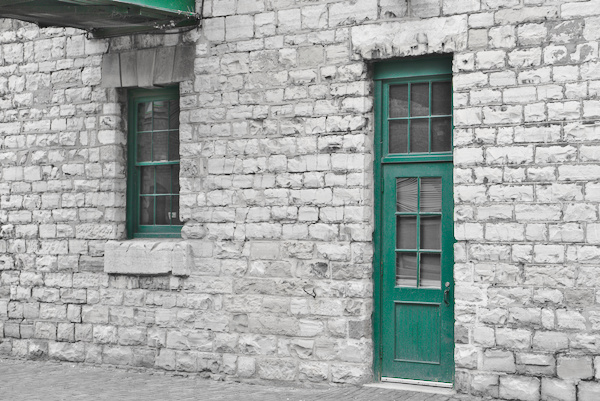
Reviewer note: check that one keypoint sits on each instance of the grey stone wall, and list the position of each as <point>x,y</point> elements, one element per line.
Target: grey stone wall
<point>276,147</point>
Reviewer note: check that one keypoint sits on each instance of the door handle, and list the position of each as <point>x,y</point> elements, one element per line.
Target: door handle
<point>447,294</point>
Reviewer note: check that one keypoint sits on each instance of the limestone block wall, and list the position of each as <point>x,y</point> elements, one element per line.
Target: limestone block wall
<point>276,150</point>
<point>276,204</point>
<point>526,192</point>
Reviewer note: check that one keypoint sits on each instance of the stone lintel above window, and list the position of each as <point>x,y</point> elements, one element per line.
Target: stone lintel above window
<point>148,257</point>
<point>147,68</point>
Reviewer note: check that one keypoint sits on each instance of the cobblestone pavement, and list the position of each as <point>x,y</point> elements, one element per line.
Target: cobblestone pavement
<point>48,381</point>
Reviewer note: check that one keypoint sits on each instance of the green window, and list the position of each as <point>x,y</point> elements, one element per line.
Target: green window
<point>153,164</point>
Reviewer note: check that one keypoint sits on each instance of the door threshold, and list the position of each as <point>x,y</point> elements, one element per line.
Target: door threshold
<point>420,386</point>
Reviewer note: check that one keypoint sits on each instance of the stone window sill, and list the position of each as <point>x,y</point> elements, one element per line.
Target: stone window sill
<point>148,257</point>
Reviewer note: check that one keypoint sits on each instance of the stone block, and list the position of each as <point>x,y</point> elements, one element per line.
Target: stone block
<point>520,388</point>
<point>117,355</point>
<point>498,360</point>
<point>246,366</point>
<point>350,374</point>
<point>485,385</point>
<point>466,356</point>
<point>163,67</point>
<point>111,71</point>
<point>574,367</point>
<point>558,390</point>
<point>165,359</point>
<point>148,257</point>
<point>588,391</point>
<point>143,357</point>
<point>105,334</point>
<point>186,361</point>
<point>145,61</point>
<point>71,352</point>
<point>277,369</point>
<point>407,37</point>
<point>129,75</point>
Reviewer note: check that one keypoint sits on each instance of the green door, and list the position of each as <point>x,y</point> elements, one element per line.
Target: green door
<point>417,284</point>
<point>414,236</point>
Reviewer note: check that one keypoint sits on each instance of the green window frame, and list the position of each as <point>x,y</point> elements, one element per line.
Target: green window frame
<point>153,163</point>
<point>422,71</point>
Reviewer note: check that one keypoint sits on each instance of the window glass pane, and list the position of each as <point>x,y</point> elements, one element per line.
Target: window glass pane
<point>144,147</point>
<point>398,138</point>
<point>406,269</point>
<point>175,178</point>
<point>163,208</point>
<point>147,180</point>
<point>406,232</point>
<point>419,136</point>
<point>144,117</point>
<point>441,134</point>
<point>161,115</point>
<point>431,271</point>
<point>174,114</point>
<point>398,101</point>
<point>441,96</point>
<point>431,232</point>
<point>174,145</point>
<point>406,195</point>
<point>419,99</point>
<point>160,146</point>
<point>431,194</point>
<point>175,218</point>
<point>146,210</point>
<point>163,179</point>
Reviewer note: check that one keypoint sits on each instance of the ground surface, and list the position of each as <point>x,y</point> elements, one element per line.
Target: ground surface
<point>31,381</point>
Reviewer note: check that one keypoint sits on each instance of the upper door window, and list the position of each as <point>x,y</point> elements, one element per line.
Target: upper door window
<point>419,116</point>
<point>153,180</point>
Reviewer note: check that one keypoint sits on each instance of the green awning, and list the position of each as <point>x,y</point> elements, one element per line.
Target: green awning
<point>104,18</point>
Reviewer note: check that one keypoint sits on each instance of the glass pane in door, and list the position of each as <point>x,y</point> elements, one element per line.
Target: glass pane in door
<point>406,232</point>
<point>441,98</point>
<point>398,138</point>
<point>419,99</point>
<point>407,195</point>
<point>431,232</point>
<point>419,136</point>
<point>431,271</point>
<point>398,101</point>
<point>431,194</point>
<point>406,269</point>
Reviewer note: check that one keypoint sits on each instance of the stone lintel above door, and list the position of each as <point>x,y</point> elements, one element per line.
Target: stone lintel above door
<point>148,68</point>
<point>409,38</point>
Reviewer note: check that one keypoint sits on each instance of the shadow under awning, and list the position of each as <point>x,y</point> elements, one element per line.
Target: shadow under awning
<point>104,18</point>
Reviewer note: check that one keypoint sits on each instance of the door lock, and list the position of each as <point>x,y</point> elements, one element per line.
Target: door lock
<point>447,294</point>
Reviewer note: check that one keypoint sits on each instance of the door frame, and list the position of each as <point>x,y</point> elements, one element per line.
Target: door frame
<point>384,71</point>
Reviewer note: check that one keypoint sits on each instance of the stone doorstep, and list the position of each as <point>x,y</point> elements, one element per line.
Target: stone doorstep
<point>420,388</point>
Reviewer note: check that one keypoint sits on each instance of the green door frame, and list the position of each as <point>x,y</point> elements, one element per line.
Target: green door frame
<point>393,70</point>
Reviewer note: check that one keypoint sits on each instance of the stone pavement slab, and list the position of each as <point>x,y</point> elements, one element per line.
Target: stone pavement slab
<point>50,381</point>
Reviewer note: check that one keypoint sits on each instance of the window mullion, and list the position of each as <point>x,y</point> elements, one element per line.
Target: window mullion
<point>429,125</point>
<point>408,124</point>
